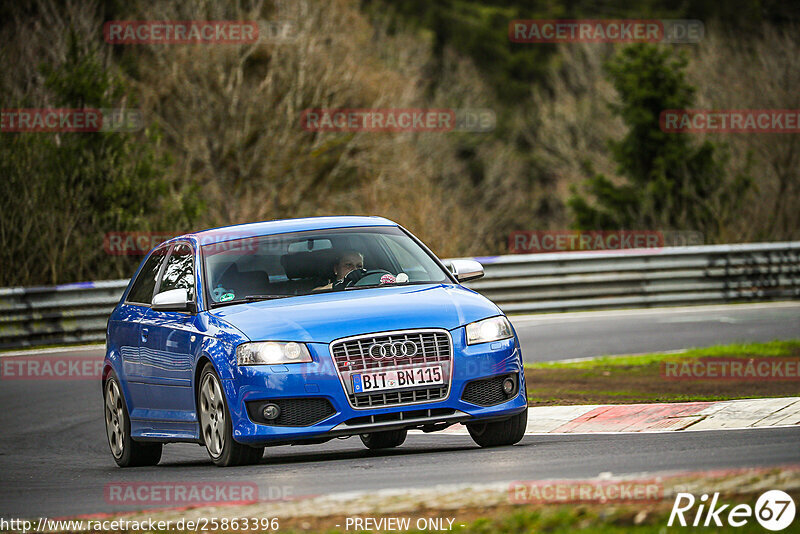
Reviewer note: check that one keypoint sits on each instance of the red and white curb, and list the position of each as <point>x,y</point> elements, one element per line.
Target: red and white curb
<point>720,415</point>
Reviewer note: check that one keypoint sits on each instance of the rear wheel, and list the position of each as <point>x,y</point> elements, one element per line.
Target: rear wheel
<point>216,427</point>
<point>126,451</point>
<point>499,433</point>
<point>384,440</point>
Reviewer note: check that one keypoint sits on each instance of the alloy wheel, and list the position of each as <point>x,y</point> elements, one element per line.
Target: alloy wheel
<point>212,415</point>
<point>115,427</point>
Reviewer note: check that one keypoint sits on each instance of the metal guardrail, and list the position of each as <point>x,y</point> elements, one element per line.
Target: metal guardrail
<point>70,313</point>
<point>565,281</point>
<point>641,278</point>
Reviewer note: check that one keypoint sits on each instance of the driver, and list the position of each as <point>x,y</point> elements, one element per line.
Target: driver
<point>346,262</point>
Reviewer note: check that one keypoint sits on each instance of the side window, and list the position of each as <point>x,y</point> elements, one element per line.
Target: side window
<point>179,272</point>
<point>145,284</point>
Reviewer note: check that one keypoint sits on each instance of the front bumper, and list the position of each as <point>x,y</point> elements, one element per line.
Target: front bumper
<point>319,379</point>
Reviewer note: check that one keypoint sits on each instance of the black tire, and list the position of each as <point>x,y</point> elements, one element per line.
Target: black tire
<point>218,435</point>
<point>384,440</point>
<point>124,449</point>
<point>499,433</point>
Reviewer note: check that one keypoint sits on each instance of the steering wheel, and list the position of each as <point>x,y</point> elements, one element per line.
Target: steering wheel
<point>360,277</point>
<point>372,277</point>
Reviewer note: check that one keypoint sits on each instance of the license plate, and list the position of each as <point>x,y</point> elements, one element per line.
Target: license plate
<point>396,379</point>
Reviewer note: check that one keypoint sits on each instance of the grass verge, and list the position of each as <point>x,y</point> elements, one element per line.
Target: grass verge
<point>641,378</point>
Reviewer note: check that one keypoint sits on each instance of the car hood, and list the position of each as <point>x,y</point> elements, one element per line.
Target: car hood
<point>323,317</point>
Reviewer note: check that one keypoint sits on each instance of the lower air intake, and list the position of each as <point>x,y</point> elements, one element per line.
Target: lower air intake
<point>489,391</point>
<point>293,412</point>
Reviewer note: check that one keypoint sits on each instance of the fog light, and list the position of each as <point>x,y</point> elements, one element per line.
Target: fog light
<point>270,412</point>
<point>508,386</point>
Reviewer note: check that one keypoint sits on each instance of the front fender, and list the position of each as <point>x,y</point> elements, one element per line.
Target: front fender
<point>219,344</point>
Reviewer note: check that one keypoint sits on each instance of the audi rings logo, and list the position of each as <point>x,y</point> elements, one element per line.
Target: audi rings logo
<point>395,349</point>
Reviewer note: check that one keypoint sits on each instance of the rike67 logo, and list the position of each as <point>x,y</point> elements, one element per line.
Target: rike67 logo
<point>774,510</point>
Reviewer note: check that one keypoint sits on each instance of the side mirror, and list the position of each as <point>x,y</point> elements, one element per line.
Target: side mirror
<point>465,270</point>
<point>173,300</point>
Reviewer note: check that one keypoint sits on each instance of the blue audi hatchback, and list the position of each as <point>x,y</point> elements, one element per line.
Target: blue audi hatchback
<point>299,331</point>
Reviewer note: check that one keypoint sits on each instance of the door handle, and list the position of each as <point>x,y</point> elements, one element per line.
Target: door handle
<point>145,331</point>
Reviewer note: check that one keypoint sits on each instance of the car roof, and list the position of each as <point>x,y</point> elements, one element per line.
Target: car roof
<point>282,226</point>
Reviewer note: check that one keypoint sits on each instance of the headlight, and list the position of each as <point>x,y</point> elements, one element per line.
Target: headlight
<point>492,329</point>
<point>271,353</point>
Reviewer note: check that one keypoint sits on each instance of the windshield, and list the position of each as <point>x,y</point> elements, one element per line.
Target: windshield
<point>317,261</point>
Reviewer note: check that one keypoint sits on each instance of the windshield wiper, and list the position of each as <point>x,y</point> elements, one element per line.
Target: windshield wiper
<point>251,298</point>
<point>391,284</point>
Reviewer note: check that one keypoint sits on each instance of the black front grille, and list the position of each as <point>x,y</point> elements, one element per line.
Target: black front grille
<point>353,355</point>
<point>430,347</point>
<point>488,391</point>
<point>293,412</point>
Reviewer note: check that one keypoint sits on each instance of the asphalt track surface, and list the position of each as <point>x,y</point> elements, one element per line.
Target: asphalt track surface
<point>54,459</point>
